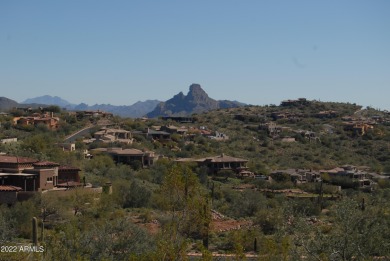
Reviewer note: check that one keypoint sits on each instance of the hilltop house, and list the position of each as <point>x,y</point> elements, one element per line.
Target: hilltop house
<point>300,101</point>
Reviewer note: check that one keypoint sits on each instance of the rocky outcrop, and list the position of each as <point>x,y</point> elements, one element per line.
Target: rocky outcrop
<point>196,101</point>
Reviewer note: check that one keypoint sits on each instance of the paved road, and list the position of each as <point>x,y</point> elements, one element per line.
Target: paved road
<point>73,137</point>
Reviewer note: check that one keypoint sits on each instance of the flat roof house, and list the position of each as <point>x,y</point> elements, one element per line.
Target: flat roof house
<point>127,156</point>
<point>108,135</point>
<point>220,162</point>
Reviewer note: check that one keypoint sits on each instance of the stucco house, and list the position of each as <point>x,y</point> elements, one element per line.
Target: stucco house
<point>220,162</point>
<point>108,135</point>
<point>127,156</point>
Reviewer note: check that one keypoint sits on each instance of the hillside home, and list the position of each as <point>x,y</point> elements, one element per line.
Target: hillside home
<point>69,177</point>
<point>48,174</point>
<point>292,117</point>
<point>271,128</point>
<point>29,174</point>
<point>192,131</point>
<point>174,129</point>
<point>220,162</point>
<point>154,135</point>
<point>128,156</point>
<point>362,129</point>
<point>351,172</point>
<point>19,172</point>
<point>23,121</point>
<point>15,164</point>
<point>46,119</point>
<point>298,176</point>
<point>179,119</point>
<point>195,131</point>
<point>357,128</point>
<point>326,114</point>
<point>108,135</point>
<point>94,114</point>
<point>50,123</point>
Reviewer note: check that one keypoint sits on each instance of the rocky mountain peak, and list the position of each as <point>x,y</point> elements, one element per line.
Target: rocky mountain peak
<point>196,88</point>
<point>196,101</point>
<point>196,93</point>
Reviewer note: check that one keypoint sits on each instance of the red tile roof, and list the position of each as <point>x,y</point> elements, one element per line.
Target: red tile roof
<point>14,159</point>
<point>46,164</point>
<point>10,188</point>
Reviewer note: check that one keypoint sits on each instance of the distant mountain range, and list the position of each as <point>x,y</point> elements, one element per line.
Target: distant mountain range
<point>196,101</point>
<point>49,100</point>
<point>138,109</point>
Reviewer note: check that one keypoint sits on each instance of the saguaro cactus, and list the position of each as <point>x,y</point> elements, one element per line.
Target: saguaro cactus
<point>255,245</point>
<point>42,231</point>
<point>34,231</point>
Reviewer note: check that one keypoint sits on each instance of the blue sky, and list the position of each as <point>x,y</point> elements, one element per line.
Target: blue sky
<point>257,52</point>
